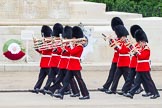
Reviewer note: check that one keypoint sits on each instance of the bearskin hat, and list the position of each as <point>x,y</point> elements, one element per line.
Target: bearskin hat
<point>120,31</point>
<point>133,29</point>
<point>46,31</point>
<point>140,35</point>
<point>57,30</point>
<point>77,32</point>
<point>116,21</point>
<point>67,32</point>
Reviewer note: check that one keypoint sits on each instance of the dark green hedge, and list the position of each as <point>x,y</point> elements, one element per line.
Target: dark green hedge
<point>146,7</point>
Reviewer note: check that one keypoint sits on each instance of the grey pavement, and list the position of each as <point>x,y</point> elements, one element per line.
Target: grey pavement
<point>94,79</point>
<point>98,100</point>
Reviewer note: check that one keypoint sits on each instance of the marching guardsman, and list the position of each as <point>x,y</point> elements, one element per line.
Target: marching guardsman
<point>46,55</point>
<point>55,58</point>
<point>115,21</point>
<point>143,67</point>
<point>74,70</point>
<point>130,79</point>
<point>123,60</point>
<point>67,34</point>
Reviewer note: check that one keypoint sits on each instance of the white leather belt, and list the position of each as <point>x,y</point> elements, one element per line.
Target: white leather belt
<point>55,55</point>
<point>65,57</point>
<point>75,57</point>
<point>46,55</point>
<point>124,55</point>
<point>141,61</point>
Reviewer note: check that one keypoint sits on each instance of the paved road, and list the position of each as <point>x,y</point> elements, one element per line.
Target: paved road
<point>26,80</point>
<point>98,100</point>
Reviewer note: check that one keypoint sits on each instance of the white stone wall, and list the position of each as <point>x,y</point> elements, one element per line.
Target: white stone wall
<point>17,15</point>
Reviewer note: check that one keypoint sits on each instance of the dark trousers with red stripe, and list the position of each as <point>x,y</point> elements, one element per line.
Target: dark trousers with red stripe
<point>110,76</point>
<point>119,72</point>
<point>42,75</point>
<point>144,77</point>
<point>82,85</point>
<point>130,81</point>
<point>61,75</point>
<point>51,77</point>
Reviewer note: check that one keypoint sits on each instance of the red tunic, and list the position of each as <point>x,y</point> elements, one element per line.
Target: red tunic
<point>54,61</point>
<point>124,57</point>
<point>75,54</point>
<point>116,53</point>
<point>116,56</point>
<point>64,59</point>
<point>46,55</point>
<point>133,62</point>
<point>143,63</point>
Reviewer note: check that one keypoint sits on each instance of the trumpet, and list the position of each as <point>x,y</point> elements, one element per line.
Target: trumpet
<point>74,40</point>
<point>112,42</point>
<point>133,49</point>
<point>83,41</point>
<point>49,44</point>
<point>39,43</point>
<point>49,39</point>
<point>44,42</point>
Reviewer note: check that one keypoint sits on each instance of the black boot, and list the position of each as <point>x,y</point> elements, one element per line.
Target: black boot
<point>75,95</point>
<point>67,92</point>
<point>128,95</point>
<point>102,89</point>
<point>121,93</point>
<point>42,91</point>
<point>147,94</point>
<point>35,91</point>
<point>139,91</point>
<point>155,96</point>
<point>58,95</point>
<point>110,92</point>
<point>48,92</point>
<point>84,97</point>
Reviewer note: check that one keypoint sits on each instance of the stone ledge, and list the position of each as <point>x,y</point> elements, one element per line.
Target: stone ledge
<point>39,22</point>
<point>32,67</point>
